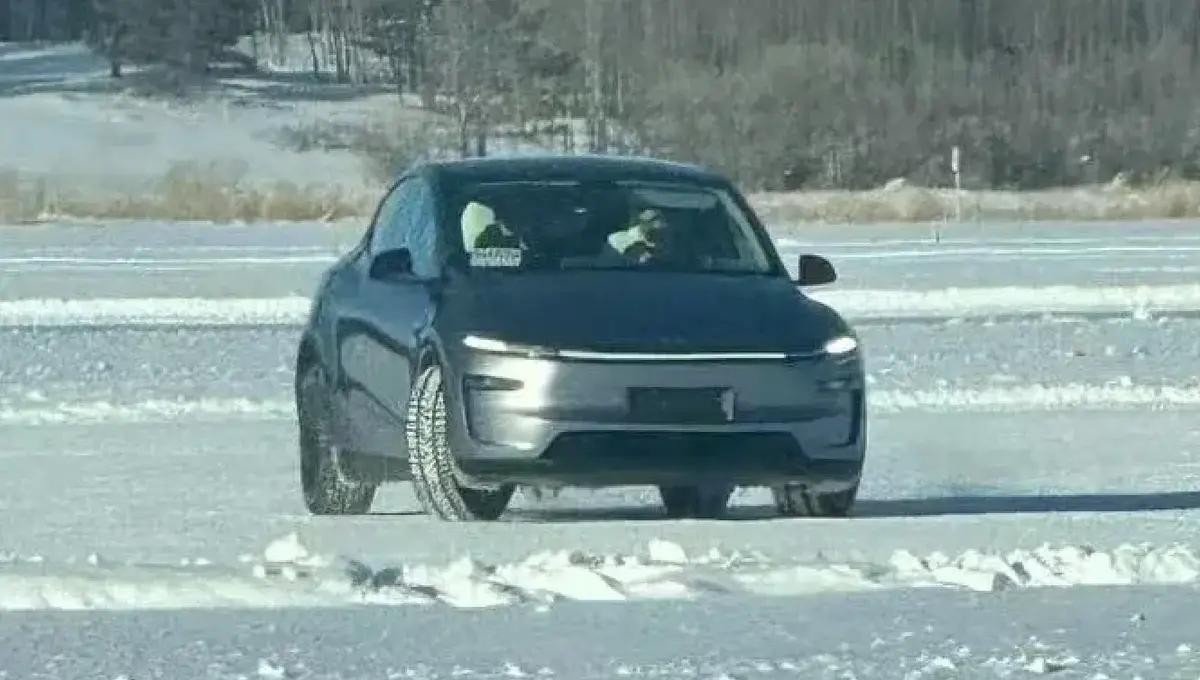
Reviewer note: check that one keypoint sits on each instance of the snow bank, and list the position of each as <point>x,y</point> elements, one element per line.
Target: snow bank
<point>285,311</point>
<point>857,304</point>
<point>290,575</point>
<point>1063,397</point>
<point>1072,396</point>
<point>1011,300</point>
<point>150,410</point>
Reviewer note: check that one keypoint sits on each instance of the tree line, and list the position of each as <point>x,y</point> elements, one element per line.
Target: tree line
<point>780,93</point>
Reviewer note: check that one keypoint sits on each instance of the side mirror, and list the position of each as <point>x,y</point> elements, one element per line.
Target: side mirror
<point>391,264</point>
<point>815,271</point>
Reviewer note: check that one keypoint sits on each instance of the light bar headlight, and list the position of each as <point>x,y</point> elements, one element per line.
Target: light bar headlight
<point>483,343</point>
<point>841,346</point>
<point>838,347</point>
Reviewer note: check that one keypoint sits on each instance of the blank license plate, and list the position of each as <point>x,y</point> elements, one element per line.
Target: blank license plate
<point>664,405</point>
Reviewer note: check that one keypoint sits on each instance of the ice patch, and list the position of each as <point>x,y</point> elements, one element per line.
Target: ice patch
<point>547,577</point>
<point>1010,398</point>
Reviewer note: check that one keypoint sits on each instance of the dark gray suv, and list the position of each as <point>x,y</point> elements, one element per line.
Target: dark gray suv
<point>575,321</point>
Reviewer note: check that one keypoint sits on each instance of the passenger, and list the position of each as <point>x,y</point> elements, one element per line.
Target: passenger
<point>644,239</point>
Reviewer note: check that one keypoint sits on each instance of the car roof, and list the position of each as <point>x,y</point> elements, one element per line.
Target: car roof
<point>574,167</point>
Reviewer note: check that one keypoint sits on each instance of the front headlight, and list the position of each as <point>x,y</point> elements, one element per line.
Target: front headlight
<point>482,343</point>
<point>841,346</point>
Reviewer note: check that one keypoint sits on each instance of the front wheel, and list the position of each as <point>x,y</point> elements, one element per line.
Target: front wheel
<point>326,490</point>
<point>434,472</point>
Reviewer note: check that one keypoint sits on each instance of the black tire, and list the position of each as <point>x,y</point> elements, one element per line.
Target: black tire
<point>698,502</point>
<point>432,462</point>
<point>326,490</point>
<point>797,501</point>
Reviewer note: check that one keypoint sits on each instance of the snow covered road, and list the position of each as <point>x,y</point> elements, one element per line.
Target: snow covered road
<point>161,492</point>
<point>1032,386</point>
<point>269,260</point>
<point>1074,633</point>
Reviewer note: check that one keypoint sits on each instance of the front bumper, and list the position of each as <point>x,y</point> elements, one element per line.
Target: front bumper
<point>531,420</point>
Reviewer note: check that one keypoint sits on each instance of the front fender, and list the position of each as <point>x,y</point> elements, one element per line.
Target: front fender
<point>430,351</point>
<point>320,328</point>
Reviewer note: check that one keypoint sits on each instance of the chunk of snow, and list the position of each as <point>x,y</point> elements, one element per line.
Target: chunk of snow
<point>271,670</point>
<point>544,578</point>
<point>665,551</point>
<point>286,549</point>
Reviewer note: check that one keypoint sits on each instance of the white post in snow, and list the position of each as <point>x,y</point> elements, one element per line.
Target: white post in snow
<point>956,168</point>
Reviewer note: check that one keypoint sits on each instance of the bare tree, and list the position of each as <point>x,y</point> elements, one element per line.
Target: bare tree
<point>782,93</point>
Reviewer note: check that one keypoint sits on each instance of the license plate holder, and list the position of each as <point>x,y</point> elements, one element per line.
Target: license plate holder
<point>681,405</point>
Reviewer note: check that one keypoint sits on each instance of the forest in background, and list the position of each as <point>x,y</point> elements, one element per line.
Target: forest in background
<point>782,94</point>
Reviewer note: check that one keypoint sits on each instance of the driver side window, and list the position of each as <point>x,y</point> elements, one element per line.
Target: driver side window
<point>390,231</point>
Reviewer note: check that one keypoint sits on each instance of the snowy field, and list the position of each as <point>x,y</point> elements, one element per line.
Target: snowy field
<point>77,125</point>
<point>1029,504</point>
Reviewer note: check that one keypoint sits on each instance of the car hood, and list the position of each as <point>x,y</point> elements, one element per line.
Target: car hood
<point>644,312</point>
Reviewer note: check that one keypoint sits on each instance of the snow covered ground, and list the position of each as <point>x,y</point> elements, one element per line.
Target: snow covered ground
<point>77,125</point>
<point>81,129</point>
<point>920,634</point>
<point>1030,504</point>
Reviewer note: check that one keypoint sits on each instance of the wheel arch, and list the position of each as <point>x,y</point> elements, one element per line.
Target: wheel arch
<point>308,354</point>
<point>430,352</point>
<point>433,353</point>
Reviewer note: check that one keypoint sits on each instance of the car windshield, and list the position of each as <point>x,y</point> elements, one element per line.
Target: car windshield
<point>522,226</point>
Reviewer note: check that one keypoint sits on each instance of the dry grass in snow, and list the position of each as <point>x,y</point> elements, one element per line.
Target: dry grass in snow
<point>1174,200</point>
<point>200,192</point>
<point>185,192</point>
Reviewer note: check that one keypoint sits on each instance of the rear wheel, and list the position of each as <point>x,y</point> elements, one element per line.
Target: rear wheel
<point>699,502</point>
<point>326,490</point>
<point>434,473</point>
<point>796,500</point>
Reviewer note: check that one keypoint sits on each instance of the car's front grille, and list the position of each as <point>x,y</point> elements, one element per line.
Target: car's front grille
<point>693,450</point>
